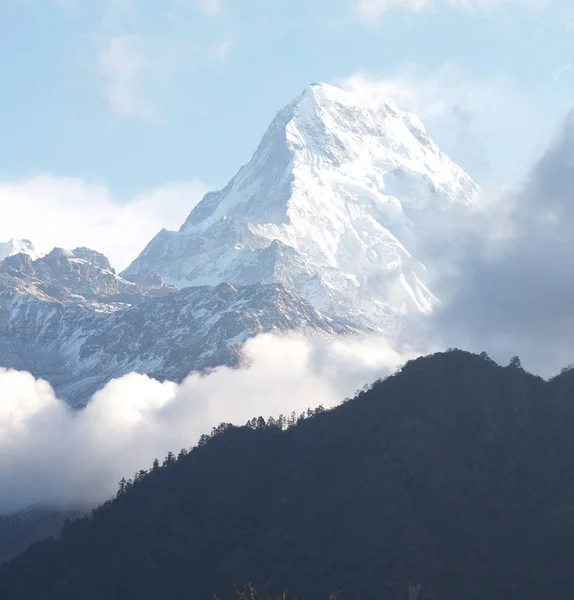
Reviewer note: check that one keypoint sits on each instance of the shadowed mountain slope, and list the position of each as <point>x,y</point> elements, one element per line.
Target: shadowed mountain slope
<point>450,480</point>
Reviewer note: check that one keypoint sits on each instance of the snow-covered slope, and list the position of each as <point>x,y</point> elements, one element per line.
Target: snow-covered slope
<point>14,246</point>
<point>323,232</point>
<point>73,322</point>
<point>74,276</point>
<point>332,205</point>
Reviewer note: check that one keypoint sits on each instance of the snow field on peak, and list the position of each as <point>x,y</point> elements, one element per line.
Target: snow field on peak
<point>347,187</point>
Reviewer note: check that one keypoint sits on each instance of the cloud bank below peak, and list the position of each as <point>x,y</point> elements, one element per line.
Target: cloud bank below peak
<point>52,456</point>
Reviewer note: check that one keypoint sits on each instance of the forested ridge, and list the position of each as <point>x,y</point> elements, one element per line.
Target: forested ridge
<point>451,480</point>
<point>19,530</point>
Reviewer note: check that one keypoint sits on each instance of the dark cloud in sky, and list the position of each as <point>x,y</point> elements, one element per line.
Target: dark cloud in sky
<point>516,291</point>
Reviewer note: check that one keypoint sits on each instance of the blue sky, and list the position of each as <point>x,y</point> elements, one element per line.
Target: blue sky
<point>126,100</point>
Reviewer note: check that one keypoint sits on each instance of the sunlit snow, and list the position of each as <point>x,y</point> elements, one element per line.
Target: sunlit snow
<point>333,205</point>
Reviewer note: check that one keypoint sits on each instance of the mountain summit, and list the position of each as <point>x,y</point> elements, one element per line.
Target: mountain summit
<point>323,232</point>
<point>330,206</point>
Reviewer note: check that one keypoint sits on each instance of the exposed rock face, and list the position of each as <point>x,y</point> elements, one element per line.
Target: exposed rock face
<point>78,325</point>
<point>81,275</point>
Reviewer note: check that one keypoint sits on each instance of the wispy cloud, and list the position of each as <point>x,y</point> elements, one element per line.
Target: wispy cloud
<point>125,66</point>
<point>376,8</point>
<point>210,7</point>
<point>136,73</point>
<point>561,72</point>
<point>463,113</point>
<point>136,52</point>
<point>67,4</point>
<point>369,9</point>
<point>221,50</point>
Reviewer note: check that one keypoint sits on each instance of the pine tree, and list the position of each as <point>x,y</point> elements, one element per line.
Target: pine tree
<point>515,363</point>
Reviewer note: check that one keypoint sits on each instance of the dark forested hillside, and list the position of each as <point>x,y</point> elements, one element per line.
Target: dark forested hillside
<point>19,530</point>
<point>453,479</point>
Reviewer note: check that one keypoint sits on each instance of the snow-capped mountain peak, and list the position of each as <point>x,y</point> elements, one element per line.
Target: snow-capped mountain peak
<point>330,205</point>
<point>327,128</point>
<point>323,232</point>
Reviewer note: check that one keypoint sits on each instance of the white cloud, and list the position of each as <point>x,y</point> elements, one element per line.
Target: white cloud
<point>466,115</point>
<point>561,72</point>
<point>67,4</point>
<point>134,54</point>
<point>375,8</point>
<point>126,65</point>
<point>137,73</point>
<point>52,456</point>
<point>369,9</point>
<point>221,50</point>
<point>433,94</point>
<point>209,7</point>
<point>66,212</point>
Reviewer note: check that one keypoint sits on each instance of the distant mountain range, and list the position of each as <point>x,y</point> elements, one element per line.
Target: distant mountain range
<point>319,233</point>
<point>69,319</point>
